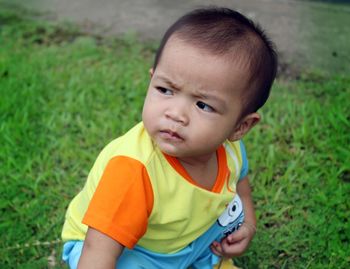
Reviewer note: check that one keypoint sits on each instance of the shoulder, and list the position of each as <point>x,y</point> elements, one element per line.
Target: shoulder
<point>236,154</point>
<point>135,144</point>
<point>132,150</point>
<point>233,149</point>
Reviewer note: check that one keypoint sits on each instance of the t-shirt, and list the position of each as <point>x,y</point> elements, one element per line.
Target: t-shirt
<point>138,195</point>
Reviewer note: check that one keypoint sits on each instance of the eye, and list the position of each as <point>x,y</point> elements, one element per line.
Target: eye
<point>205,107</point>
<point>164,91</point>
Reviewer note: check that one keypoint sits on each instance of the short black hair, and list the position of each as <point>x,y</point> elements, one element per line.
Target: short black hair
<point>221,31</point>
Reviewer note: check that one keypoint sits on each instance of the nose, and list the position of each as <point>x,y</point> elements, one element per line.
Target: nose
<point>178,113</point>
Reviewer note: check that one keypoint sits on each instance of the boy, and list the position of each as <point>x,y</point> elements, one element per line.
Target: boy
<point>174,188</point>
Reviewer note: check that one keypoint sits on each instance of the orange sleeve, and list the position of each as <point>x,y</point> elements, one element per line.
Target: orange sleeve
<point>122,202</point>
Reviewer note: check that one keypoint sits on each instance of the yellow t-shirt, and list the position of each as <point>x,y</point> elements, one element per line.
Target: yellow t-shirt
<point>138,195</point>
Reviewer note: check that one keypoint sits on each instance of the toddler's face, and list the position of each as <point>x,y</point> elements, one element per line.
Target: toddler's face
<point>193,101</point>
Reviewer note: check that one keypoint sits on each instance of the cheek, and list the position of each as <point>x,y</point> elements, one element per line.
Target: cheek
<point>146,111</point>
<point>216,130</point>
<point>151,111</point>
<point>147,119</point>
<point>204,130</point>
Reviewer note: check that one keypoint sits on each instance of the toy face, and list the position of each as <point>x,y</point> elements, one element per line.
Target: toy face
<point>232,212</point>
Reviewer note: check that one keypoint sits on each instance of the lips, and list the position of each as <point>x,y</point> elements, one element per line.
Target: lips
<point>170,135</point>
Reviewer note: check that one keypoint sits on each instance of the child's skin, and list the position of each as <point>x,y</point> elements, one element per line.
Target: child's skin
<point>193,104</point>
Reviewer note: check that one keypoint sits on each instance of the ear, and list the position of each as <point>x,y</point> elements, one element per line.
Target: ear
<point>244,126</point>
<point>151,72</point>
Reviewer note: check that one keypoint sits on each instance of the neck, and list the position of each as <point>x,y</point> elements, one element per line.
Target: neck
<point>203,170</point>
<point>199,161</point>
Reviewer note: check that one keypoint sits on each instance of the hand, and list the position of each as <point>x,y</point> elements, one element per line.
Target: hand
<point>236,243</point>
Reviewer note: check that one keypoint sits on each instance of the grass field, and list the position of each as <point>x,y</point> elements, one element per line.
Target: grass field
<point>64,95</point>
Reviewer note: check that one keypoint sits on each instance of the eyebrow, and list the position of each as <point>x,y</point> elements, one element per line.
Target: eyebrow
<point>205,96</point>
<point>202,95</point>
<point>173,85</point>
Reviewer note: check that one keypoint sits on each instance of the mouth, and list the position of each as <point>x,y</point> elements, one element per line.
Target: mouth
<point>170,135</point>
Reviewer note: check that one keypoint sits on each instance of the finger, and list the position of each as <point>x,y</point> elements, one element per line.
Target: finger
<point>224,248</point>
<point>235,249</point>
<point>244,232</point>
<point>236,236</point>
<point>216,248</point>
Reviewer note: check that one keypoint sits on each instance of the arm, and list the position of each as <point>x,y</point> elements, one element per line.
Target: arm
<point>244,192</point>
<point>99,251</point>
<point>236,243</point>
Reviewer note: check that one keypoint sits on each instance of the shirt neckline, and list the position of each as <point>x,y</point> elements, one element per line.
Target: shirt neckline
<point>223,171</point>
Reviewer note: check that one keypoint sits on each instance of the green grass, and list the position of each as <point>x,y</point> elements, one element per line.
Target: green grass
<point>300,163</point>
<point>64,95</point>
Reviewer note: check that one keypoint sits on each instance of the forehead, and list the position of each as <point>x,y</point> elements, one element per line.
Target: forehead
<point>183,63</point>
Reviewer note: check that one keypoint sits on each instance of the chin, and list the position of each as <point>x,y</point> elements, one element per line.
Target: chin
<point>170,152</point>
